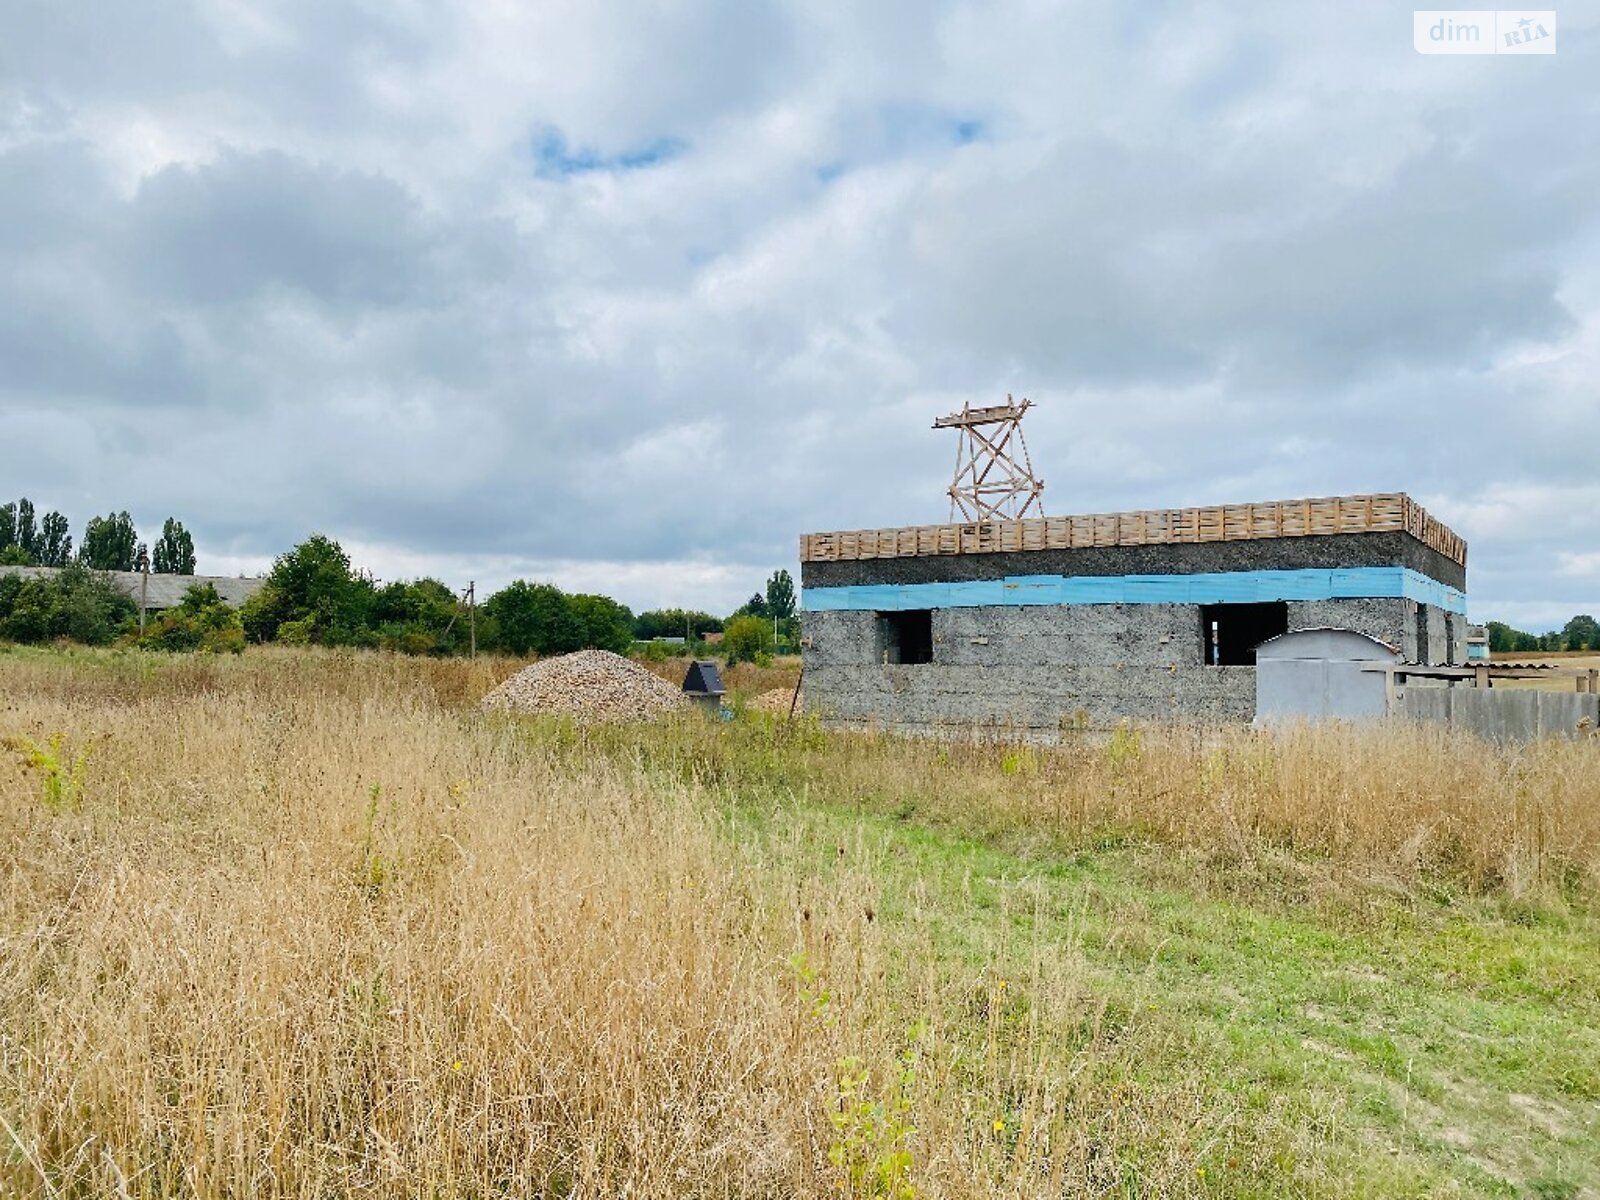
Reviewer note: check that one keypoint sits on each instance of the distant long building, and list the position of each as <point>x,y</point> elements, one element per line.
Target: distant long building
<point>163,591</point>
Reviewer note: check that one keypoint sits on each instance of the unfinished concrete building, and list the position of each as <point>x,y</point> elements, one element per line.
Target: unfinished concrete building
<point>1069,622</point>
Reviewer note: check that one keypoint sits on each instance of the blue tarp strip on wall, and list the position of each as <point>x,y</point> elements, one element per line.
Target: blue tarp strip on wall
<point>1218,587</point>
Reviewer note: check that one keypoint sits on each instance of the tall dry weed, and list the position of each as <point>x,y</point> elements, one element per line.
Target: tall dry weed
<point>317,928</point>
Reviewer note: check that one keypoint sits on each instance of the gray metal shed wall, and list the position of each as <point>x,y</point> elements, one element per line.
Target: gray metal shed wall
<point>1314,674</point>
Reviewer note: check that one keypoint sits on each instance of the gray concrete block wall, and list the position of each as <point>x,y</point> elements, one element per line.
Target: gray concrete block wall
<point>1423,633</point>
<point>840,639</point>
<point>1033,667</point>
<point>1115,635</point>
<point>1391,621</point>
<point>1026,668</point>
<point>1028,699</point>
<point>1456,648</point>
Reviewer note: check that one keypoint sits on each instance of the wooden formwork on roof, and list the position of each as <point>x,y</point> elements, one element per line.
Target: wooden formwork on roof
<point>1389,512</point>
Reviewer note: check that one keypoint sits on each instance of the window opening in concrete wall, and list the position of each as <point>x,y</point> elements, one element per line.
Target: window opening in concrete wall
<point>1231,632</point>
<point>906,637</point>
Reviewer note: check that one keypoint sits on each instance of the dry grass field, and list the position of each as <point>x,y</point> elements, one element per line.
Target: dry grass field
<point>305,924</point>
<point>1563,660</point>
<point>1559,658</point>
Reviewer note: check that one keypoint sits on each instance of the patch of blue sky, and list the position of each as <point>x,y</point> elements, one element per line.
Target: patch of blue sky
<point>918,126</point>
<point>553,157</point>
<point>895,130</point>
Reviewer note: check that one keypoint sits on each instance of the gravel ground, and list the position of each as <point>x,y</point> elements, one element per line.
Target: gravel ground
<point>777,700</point>
<point>591,685</point>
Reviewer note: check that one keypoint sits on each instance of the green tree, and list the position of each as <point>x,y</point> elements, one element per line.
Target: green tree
<point>535,618</point>
<point>260,614</point>
<point>312,595</point>
<point>109,543</point>
<point>421,617</point>
<point>10,587</point>
<point>746,638</point>
<point>76,603</point>
<point>606,624</point>
<point>756,606</point>
<point>780,596</point>
<point>55,543</point>
<point>174,552</point>
<point>1581,633</point>
<point>27,533</point>
<point>8,527</point>
<point>674,622</point>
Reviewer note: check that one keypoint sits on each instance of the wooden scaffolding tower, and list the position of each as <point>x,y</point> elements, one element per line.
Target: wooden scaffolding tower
<point>989,483</point>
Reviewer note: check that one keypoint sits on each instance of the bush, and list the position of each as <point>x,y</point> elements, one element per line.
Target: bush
<point>262,613</point>
<point>202,621</point>
<point>76,603</point>
<point>422,617</point>
<point>298,633</point>
<point>746,639</point>
<point>223,641</point>
<point>407,638</point>
<point>661,651</point>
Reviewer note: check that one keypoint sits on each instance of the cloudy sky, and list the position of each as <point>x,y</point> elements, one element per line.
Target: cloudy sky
<point>628,295</point>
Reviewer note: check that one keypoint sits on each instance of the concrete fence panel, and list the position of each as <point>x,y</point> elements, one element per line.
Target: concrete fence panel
<point>1502,714</point>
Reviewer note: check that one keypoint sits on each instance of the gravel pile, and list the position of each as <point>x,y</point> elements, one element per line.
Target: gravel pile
<point>591,685</point>
<point>777,700</point>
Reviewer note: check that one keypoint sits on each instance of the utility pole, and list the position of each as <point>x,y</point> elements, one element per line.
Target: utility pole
<point>470,597</point>
<point>144,585</point>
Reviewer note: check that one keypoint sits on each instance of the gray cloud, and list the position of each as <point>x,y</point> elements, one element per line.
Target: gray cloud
<point>578,290</point>
<point>230,230</point>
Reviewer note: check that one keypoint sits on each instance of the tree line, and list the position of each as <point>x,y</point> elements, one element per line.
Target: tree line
<point>314,596</point>
<point>110,543</point>
<point>1580,633</point>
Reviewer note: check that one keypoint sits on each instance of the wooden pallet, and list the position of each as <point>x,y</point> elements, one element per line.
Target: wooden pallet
<point>1386,513</point>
